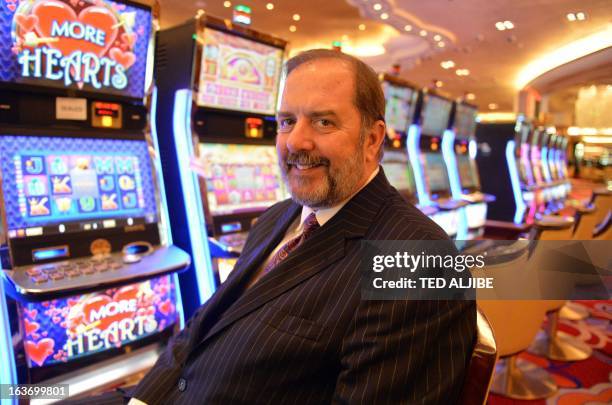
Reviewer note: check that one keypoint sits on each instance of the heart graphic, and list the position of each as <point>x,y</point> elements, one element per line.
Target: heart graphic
<point>127,59</point>
<point>98,302</point>
<point>98,17</point>
<point>11,7</point>
<point>129,38</point>
<point>165,307</point>
<point>26,22</point>
<point>30,327</point>
<point>31,313</point>
<point>38,352</point>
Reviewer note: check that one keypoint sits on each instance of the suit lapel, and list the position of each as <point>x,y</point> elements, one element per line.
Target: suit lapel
<point>325,247</point>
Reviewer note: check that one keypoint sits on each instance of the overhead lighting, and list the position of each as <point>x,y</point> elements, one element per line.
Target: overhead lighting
<point>462,72</point>
<point>377,7</point>
<point>292,28</point>
<point>227,4</point>
<point>362,27</point>
<point>508,24</point>
<point>571,17</point>
<point>345,37</point>
<point>496,117</point>
<point>447,64</point>
<point>270,6</point>
<point>296,17</point>
<point>437,37</point>
<point>597,139</point>
<point>441,44</point>
<point>577,131</point>
<point>500,26</point>
<point>407,27</point>
<point>364,50</point>
<point>493,106</point>
<point>470,96</point>
<point>581,16</point>
<point>384,16</point>
<point>438,83</point>
<point>423,33</point>
<point>564,54</point>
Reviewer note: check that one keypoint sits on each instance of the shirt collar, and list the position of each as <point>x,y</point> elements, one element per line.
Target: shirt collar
<point>325,214</point>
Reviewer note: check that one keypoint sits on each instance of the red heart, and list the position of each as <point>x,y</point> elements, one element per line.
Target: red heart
<point>98,17</point>
<point>26,22</point>
<point>31,313</point>
<point>30,327</point>
<point>127,59</point>
<point>38,352</point>
<point>11,7</point>
<point>165,307</point>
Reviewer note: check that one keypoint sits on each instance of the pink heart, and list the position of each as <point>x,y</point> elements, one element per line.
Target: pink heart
<point>38,352</point>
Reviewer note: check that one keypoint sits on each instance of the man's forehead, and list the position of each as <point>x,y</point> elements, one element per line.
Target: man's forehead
<point>326,69</point>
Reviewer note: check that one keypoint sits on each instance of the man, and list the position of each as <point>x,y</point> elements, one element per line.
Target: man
<point>289,324</point>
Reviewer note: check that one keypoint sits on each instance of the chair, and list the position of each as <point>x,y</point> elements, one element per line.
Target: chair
<point>482,365</point>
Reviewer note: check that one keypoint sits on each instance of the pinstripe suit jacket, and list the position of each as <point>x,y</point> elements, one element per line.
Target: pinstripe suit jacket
<point>302,334</point>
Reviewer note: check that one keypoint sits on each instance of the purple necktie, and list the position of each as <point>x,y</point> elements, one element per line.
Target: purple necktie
<point>310,225</point>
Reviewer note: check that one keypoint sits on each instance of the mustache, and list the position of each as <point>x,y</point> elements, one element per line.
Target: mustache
<point>303,158</point>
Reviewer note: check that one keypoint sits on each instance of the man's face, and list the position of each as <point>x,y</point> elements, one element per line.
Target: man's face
<point>322,156</point>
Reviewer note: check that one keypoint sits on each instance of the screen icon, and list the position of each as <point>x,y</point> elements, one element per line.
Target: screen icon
<point>107,183</point>
<point>38,207</point>
<point>57,165</point>
<point>109,202</point>
<point>87,204</point>
<point>61,185</point>
<point>129,200</point>
<point>126,183</point>
<point>34,165</point>
<point>35,185</point>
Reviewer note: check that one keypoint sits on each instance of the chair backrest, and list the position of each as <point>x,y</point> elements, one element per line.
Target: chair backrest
<point>482,365</point>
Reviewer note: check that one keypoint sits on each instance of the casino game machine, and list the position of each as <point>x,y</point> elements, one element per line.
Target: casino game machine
<point>425,143</point>
<point>89,282</point>
<point>463,172</point>
<point>219,137</point>
<point>400,98</point>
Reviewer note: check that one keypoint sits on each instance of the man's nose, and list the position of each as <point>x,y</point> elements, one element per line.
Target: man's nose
<point>301,137</point>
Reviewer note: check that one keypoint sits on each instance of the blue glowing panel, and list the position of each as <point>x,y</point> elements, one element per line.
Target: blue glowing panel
<point>53,180</point>
<point>96,46</point>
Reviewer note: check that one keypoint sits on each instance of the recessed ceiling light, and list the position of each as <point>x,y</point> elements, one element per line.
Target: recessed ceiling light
<point>462,72</point>
<point>470,96</point>
<point>571,17</point>
<point>447,64</point>
<point>581,16</point>
<point>345,37</point>
<point>500,26</point>
<point>227,4</point>
<point>407,27</point>
<point>362,27</point>
<point>437,37</point>
<point>493,106</point>
<point>377,7</point>
<point>423,33</point>
<point>384,16</point>
<point>292,28</point>
<point>441,44</point>
<point>508,24</point>
<point>270,6</point>
<point>438,83</point>
<point>296,17</point>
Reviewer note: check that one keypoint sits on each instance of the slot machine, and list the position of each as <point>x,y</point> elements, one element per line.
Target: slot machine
<point>463,175</point>
<point>89,285</point>
<point>400,99</point>
<point>425,143</point>
<point>561,163</point>
<point>219,137</point>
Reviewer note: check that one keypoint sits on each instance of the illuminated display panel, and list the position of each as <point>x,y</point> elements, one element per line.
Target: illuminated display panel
<point>435,170</point>
<point>398,170</point>
<point>238,73</point>
<point>55,182</point>
<point>435,115</point>
<point>467,171</point>
<point>96,46</point>
<point>241,178</point>
<point>399,106</point>
<point>465,121</point>
<point>64,329</point>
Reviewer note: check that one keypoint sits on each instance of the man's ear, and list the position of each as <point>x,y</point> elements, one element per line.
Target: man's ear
<point>374,139</point>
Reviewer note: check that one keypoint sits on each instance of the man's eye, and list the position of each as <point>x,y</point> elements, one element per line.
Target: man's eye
<point>324,123</point>
<point>285,123</point>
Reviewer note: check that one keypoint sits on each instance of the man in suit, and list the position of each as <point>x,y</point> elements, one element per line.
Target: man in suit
<point>289,324</point>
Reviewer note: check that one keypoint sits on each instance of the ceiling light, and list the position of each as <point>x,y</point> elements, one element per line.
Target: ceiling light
<point>423,33</point>
<point>408,27</point>
<point>292,28</point>
<point>500,26</point>
<point>438,83</point>
<point>296,17</point>
<point>571,17</point>
<point>384,16</point>
<point>508,24</point>
<point>362,27</point>
<point>364,50</point>
<point>441,44</point>
<point>270,6</point>
<point>581,16</point>
<point>493,106</point>
<point>227,4</point>
<point>437,37</point>
<point>377,7</point>
<point>462,72</point>
<point>345,37</point>
<point>597,139</point>
<point>447,64</point>
<point>470,96</point>
<point>564,54</point>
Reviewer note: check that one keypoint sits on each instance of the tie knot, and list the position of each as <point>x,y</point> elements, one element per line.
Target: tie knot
<point>310,225</point>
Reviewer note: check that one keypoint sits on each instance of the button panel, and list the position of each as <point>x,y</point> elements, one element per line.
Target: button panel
<point>41,274</point>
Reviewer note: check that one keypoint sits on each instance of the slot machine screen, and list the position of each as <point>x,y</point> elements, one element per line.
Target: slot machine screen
<point>467,171</point>
<point>435,170</point>
<point>398,171</point>
<point>241,178</point>
<point>436,115</point>
<point>56,185</point>
<point>239,74</point>
<point>399,108</point>
<point>465,121</point>
<point>60,331</point>
<point>96,46</point>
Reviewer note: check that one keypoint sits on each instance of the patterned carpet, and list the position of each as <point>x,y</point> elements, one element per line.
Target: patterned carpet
<point>582,382</point>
